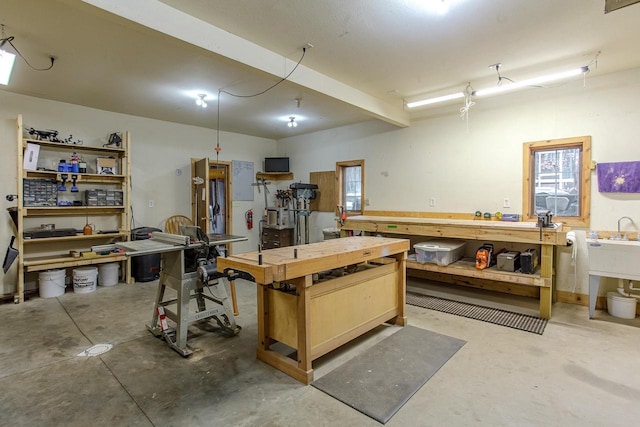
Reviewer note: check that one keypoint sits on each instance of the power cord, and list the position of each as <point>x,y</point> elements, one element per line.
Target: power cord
<point>10,39</point>
<point>221,91</point>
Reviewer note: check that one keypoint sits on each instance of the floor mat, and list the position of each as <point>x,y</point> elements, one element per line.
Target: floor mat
<point>379,381</point>
<point>523,322</point>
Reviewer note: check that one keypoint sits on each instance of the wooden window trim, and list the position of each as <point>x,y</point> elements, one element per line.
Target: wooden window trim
<point>339,183</point>
<point>582,220</point>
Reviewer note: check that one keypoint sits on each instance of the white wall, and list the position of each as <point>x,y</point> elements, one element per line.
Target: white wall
<point>474,167</point>
<point>466,167</point>
<point>157,150</point>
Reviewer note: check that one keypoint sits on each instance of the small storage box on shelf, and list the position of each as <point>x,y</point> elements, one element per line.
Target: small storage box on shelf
<point>441,251</point>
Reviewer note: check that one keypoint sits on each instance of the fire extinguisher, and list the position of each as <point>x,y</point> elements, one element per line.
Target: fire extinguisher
<point>248,216</point>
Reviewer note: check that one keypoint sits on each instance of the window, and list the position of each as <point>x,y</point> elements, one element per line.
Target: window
<point>350,192</point>
<point>556,177</point>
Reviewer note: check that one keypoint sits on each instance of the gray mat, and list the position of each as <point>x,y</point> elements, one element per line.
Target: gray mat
<point>523,322</point>
<point>379,381</point>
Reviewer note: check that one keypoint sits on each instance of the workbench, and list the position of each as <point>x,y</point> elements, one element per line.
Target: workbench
<point>314,298</point>
<point>480,230</point>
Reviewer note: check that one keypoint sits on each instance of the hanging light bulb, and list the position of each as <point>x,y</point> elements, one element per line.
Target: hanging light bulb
<point>292,122</point>
<point>200,100</point>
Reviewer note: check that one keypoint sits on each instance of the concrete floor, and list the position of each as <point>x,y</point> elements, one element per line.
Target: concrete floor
<point>579,373</point>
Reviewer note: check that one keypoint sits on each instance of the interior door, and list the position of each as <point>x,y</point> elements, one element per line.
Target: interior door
<point>200,194</point>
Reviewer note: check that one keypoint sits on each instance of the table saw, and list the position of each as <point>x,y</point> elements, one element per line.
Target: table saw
<point>188,265</point>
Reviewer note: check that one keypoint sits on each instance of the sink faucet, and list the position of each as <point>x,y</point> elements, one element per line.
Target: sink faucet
<point>624,217</point>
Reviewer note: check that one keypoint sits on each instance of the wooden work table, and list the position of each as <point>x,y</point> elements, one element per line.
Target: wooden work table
<point>481,230</point>
<point>314,298</point>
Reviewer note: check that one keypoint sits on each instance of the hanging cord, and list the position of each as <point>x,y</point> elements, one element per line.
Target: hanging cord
<point>588,68</point>
<point>4,39</point>
<point>500,77</point>
<point>221,91</point>
<point>468,103</point>
<point>304,50</point>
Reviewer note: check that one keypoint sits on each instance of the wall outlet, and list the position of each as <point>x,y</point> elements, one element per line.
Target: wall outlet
<point>151,203</point>
<point>506,203</point>
<point>432,202</point>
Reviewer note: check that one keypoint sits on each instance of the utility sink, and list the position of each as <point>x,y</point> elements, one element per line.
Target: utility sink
<point>611,258</point>
<point>614,258</point>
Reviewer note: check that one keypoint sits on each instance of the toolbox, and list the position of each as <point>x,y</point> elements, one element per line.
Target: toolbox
<point>508,261</point>
<point>529,260</point>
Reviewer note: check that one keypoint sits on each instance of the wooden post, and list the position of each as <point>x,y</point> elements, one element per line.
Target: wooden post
<point>546,274</point>
<point>304,323</point>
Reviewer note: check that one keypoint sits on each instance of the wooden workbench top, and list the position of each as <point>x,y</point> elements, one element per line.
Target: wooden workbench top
<point>481,229</point>
<point>282,264</point>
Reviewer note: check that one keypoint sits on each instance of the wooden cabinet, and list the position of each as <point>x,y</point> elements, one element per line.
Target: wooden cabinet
<point>276,237</point>
<point>479,231</point>
<point>54,206</point>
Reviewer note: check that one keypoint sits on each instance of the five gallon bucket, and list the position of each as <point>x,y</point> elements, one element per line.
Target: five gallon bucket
<point>84,279</point>
<point>51,283</point>
<point>108,274</point>
<point>621,306</point>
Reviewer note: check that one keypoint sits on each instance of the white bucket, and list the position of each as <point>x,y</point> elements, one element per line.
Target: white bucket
<point>84,279</point>
<point>51,283</point>
<point>621,306</point>
<point>108,274</point>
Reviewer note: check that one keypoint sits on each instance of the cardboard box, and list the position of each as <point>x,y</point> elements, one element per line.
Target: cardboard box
<point>106,166</point>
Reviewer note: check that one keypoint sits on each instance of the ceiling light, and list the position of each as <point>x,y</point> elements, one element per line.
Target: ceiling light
<point>532,82</point>
<point>7,60</point>
<point>200,100</point>
<point>429,101</point>
<point>292,122</point>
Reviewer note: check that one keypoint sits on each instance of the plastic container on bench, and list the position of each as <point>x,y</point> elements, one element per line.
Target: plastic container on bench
<point>441,252</point>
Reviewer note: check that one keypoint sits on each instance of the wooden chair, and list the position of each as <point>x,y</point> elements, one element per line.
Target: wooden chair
<point>173,223</point>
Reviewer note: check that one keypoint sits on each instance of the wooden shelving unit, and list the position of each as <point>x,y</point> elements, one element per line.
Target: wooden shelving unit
<point>467,268</point>
<point>38,254</point>
<point>498,231</point>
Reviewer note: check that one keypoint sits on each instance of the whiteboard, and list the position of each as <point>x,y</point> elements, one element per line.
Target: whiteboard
<point>242,180</point>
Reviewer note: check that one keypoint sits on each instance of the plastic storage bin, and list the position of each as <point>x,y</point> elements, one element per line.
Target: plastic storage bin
<point>441,252</point>
<point>145,268</point>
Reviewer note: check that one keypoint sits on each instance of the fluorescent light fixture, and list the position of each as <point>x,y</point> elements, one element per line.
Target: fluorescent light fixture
<point>532,82</point>
<point>429,101</point>
<point>7,60</point>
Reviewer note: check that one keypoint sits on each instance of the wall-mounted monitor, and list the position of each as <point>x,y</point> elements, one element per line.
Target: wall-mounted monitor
<point>276,164</point>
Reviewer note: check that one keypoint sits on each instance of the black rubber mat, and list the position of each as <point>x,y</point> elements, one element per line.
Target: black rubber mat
<point>382,379</point>
<point>523,322</point>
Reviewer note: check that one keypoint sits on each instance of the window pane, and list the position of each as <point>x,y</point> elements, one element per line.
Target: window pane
<point>352,188</point>
<point>557,181</point>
